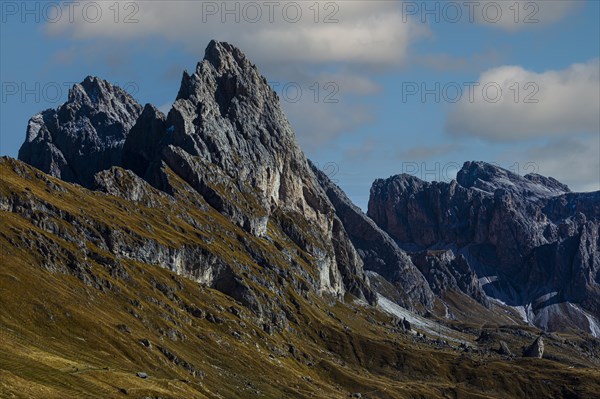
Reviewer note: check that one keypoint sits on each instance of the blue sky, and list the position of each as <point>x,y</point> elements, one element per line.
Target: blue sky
<point>365,56</point>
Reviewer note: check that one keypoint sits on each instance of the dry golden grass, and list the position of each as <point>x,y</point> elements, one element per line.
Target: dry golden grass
<point>61,338</point>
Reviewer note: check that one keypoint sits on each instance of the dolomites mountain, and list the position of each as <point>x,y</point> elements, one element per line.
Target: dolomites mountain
<point>531,243</point>
<point>225,136</point>
<point>526,242</point>
<point>202,250</point>
<point>83,136</point>
<point>380,254</point>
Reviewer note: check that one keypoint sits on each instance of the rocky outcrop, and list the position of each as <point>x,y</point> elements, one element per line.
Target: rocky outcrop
<point>489,178</point>
<point>536,349</point>
<point>83,136</point>
<point>238,201</point>
<point>226,139</point>
<point>126,184</point>
<point>227,114</point>
<point>145,140</point>
<point>226,146</point>
<point>378,251</point>
<point>445,272</point>
<point>227,136</point>
<point>531,243</point>
<point>503,349</point>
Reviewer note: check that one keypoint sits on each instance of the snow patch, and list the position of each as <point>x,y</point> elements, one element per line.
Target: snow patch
<point>487,280</point>
<point>430,327</point>
<point>594,325</point>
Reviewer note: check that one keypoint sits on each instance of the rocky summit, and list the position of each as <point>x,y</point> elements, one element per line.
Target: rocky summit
<point>199,254</point>
<point>507,239</point>
<point>83,136</point>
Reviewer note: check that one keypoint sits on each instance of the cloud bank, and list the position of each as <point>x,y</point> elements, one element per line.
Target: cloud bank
<point>368,33</point>
<point>511,103</point>
<point>521,14</point>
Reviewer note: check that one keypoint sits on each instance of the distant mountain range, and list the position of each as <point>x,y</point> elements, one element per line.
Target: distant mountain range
<point>218,192</point>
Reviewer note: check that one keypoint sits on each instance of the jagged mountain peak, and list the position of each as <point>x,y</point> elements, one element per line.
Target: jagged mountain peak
<point>227,74</point>
<point>485,178</point>
<point>548,182</point>
<point>226,137</point>
<point>227,113</point>
<point>90,87</point>
<point>472,171</point>
<point>84,135</point>
<point>516,233</point>
<point>402,179</point>
<point>225,56</point>
<point>96,91</point>
<point>95,96</point>
<point>489,178</point>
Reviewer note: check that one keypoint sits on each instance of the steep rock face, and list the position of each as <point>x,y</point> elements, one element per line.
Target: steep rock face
<point>226,113</point>
<point>238,201</point>
<point>83,136</point>
<point>531,242</point>
<point>378,251</point>
<point>412,211</point>
<point>144,140</point>
<point>536,349</point>
<point>126,184</point>
<point>488,178</point>
<point>225,137</point>
<point>444,272</point>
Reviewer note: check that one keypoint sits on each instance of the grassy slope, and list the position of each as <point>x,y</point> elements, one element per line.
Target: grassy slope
<point>62,338</point>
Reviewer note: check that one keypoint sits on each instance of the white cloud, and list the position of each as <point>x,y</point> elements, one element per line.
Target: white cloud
<point>349,83</point>
<point>574,161</point>
<point>362,32</point>
<point>552,103</point>
<point>337,45</point>
<point>516,15</point>
<point>447,62</point>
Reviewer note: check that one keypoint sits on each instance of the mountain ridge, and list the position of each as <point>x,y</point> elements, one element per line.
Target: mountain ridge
<point>207,229</point>
<point>507,229</point>
<point>226,129</point>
